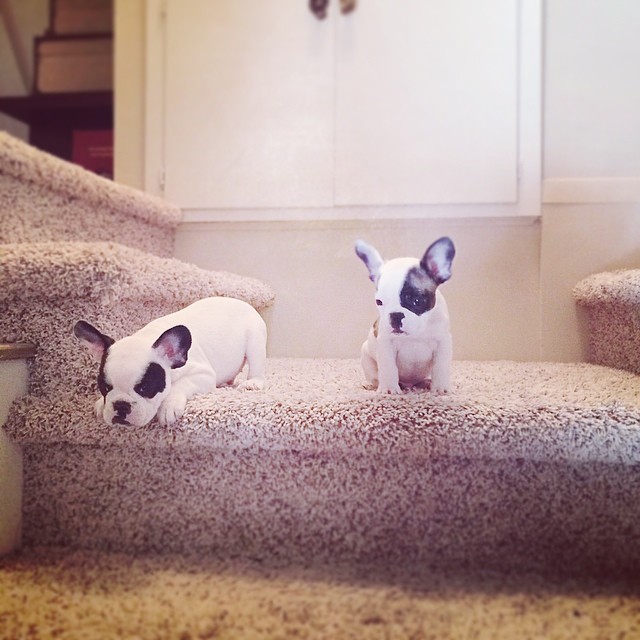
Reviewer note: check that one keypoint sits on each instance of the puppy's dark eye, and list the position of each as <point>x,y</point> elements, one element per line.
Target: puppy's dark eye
<point>417,302</point>
<point>379,303</point>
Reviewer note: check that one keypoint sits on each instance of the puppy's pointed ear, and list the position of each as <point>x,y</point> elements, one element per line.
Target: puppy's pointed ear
<point>372,259</point>
<point>91,338</point>
<point>174,345</point>
<point>437,260</point>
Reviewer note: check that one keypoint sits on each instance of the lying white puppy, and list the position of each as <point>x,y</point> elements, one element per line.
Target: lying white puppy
<point>193,351</point>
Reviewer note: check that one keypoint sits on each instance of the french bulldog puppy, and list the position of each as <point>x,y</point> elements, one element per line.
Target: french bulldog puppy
<point>410,344</point>
<point>173,358</point>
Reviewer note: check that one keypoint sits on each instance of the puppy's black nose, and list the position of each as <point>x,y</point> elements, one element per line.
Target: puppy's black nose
<point>396,320</point>
<point>122,408</point>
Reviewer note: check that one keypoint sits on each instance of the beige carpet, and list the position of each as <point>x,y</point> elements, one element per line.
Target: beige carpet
<point>611,302</point>
<point>46,287</point>
<point>44,199</point>
<point>525,465</point>
<point>55,593</point>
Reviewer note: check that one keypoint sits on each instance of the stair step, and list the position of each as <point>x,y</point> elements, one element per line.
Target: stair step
<point>611,301</point>
<point>44,198</point>
<point>525,466</point>
<point>46,287</point>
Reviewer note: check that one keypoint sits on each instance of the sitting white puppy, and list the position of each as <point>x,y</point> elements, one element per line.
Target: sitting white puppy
<point>410,343</point>
<point>158,368</point>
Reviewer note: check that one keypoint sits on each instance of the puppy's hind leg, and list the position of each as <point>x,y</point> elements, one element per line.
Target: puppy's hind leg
<point>440,379</point>
<point>256,358</point>
<point>369,366</point>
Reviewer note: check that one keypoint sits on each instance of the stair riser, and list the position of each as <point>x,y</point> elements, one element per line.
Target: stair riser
<point>614,336</point>
<point>576,519</point>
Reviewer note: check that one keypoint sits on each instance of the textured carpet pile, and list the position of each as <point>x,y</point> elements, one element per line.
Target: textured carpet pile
<point>499,409</point>
<point>316,508</point>
<point>76,595</point>
<point>44,199</point>
<point>611,301</point>
<point>523,467</point>
<point>46,287</point>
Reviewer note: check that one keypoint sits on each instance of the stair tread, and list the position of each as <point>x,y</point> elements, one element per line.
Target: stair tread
<point>524,466</point>
<point>500,409</point>
<point>621,286</point>
<point>33,166</point>
<point>111,272</point>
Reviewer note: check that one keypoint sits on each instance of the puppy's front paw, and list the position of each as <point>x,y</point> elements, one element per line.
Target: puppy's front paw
<point>389,389</point>
<point>171,409</point>
<point>440,389</point>
<point>253,384</point>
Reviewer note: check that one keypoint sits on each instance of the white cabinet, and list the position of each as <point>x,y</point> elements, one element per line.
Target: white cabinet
<point>248,104</point>
<point>427,103</point>
<point>257,105</point>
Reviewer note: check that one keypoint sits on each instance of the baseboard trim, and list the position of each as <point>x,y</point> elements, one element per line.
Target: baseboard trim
<point>591,190</point>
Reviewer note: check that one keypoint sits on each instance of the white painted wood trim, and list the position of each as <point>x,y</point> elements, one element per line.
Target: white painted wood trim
<point>530,109</point>
<point>333,214</point>
<point>154,98</point>
<point>353,224</point>
<point>591,190</point>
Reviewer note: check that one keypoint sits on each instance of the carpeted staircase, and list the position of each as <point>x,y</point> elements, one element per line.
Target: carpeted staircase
<point>524,467</point>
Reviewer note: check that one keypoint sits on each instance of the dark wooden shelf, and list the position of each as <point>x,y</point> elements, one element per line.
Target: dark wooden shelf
<point>53,117</point>
<point>41,107</point>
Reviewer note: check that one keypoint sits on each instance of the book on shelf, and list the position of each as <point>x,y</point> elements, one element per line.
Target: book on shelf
<point>73,63</point>
<point>93,150</point>
<point>69,17</point>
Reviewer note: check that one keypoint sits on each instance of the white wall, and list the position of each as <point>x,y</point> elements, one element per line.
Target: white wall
<point>591,140</point>
<point>510,295</point>
<point>27,18</point>
<point>325,301</point>
<point>592,91</point>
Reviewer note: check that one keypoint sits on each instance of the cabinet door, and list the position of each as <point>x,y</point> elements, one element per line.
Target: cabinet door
<point>427,103</point>
<point>248,104</point>
<point>257,105</point>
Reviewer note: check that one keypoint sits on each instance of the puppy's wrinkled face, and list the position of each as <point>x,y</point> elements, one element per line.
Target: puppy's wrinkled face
<point>133,381</point>
<point>404,294</point>
<point>134,376</point>
<point>406,287</point>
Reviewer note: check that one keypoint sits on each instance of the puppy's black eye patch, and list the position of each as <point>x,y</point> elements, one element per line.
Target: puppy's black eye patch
<point>418,293</point>
<point>153,381</point>
<point>417,301</point>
